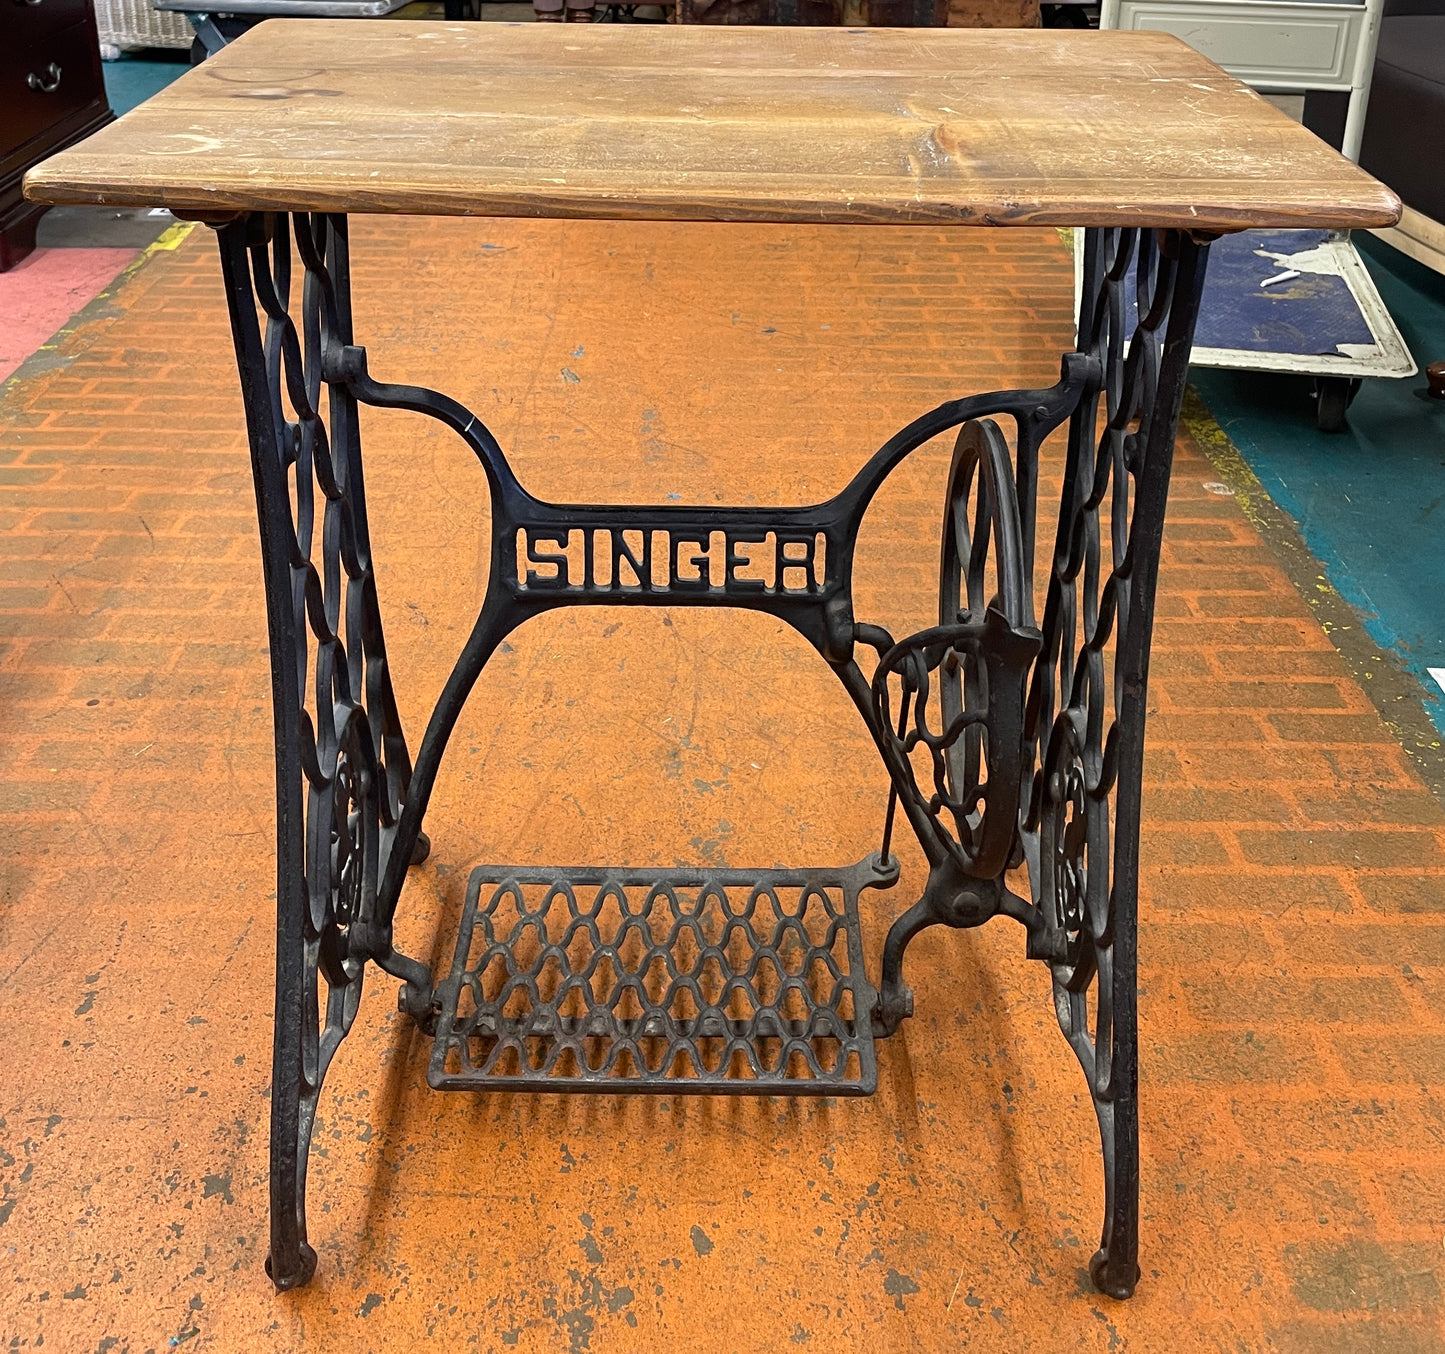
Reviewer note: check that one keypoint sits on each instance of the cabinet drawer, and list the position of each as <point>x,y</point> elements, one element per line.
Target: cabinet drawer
<point>1273,46</point>
<point>22,21</point>
<point>26,111</point>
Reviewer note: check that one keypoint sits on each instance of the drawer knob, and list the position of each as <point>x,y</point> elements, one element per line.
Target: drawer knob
<point>47,83</point>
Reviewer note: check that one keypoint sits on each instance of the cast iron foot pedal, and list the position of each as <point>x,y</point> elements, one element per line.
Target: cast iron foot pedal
<point>686,981</point>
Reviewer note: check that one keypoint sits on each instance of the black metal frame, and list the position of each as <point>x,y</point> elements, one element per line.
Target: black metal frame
<point>1007,742</point>
<point>701,982</point>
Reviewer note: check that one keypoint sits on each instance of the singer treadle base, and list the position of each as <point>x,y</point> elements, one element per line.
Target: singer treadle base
<point>683,981</point>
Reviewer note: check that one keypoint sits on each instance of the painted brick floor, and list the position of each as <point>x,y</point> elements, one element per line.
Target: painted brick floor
<point>44,290</point>
<point>1293,910</point>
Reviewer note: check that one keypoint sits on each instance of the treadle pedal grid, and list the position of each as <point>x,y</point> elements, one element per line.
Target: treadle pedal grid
<point>685,981</point>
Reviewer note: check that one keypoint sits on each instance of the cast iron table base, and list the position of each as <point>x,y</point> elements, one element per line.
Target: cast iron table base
<point>1008,741</point>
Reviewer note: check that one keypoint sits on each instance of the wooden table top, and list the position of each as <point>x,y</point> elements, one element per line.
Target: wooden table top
<point>956,126</point>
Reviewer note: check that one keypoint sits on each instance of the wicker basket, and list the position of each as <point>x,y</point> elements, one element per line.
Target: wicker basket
<point>133,23</point>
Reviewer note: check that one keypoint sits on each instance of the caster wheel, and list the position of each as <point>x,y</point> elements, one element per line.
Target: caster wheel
<point>1333,397</point>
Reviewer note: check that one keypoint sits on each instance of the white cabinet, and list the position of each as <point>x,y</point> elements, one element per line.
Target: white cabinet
<point>1275,45</point>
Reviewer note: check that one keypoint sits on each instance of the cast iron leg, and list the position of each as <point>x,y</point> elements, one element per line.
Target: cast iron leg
<point>342,767</point>
<point>1086,721</point>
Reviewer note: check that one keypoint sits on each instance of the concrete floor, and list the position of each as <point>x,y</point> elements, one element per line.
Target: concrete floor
<point>1292,939</point>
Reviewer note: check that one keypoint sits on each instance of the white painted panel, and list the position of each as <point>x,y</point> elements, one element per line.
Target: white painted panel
<point>1274,45</point>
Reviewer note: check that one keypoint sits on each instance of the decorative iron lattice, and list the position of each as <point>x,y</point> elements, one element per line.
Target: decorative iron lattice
<point>1084,731</point>
<point>342,767</point>
<point>745,982</point>
<point>962,684</point>
<point>1008,743</point>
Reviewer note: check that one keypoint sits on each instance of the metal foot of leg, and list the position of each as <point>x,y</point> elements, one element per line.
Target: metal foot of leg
<point>1107,1284</point>
<point>296,1276</point>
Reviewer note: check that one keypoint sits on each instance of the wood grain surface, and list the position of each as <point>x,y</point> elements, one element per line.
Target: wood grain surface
<point>957,126</point>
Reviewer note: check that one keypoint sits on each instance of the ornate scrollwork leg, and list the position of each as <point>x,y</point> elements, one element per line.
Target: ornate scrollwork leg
<point>1085,721</point>
<point>342,767</point>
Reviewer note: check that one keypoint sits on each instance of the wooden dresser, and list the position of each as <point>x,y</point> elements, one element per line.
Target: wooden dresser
<point>51,94</point>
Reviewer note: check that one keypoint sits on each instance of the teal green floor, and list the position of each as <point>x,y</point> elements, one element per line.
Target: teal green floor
<point>138,75</point>
<point>1370,502</point>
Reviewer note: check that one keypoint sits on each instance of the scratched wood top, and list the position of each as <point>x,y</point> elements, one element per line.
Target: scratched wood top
<point>957,126</point>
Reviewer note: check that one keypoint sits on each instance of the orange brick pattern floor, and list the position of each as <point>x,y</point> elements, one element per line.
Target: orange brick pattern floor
<point>1293,909</point>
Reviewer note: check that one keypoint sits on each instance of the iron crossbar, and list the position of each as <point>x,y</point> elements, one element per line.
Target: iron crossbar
<point>1009,740</point>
